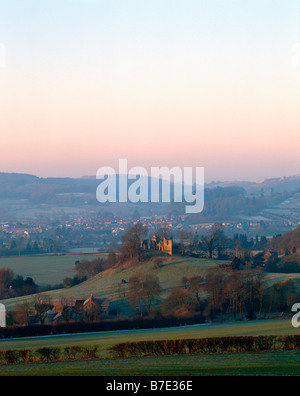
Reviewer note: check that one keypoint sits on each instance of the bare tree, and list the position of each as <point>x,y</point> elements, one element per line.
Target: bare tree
<point>195,285</point>
<point>215,286</point>
<point>185,238</point>
<point>178,303</point>
<point>111,260</point>
<point>143,290</point>
<point>42,304</point>
<point>131,248</point>
<point>214,241</point>
<point>164,231</point>
<point>21,313</point>
<point>6,278</point>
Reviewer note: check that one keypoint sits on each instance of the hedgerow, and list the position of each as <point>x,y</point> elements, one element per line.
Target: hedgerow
<point>190,346</point>
<point>48,354</point>
<point>206,345</point>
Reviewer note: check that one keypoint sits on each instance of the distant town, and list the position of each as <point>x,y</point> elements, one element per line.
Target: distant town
<point>57,216</point>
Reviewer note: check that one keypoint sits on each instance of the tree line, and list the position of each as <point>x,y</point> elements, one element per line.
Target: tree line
<point>218,294</point>
<point>12,285</point>
<point>241,251</point>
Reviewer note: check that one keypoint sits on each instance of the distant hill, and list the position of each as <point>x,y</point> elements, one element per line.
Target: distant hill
<point>16,178</point>
<point>55,190</point>
<point>24,186</point>
<point>230,183</point>
<point>223,200</point>
<point>276,184</point>
<point>289,241</point>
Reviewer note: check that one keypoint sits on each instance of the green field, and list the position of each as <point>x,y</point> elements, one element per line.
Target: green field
<point>106,285</point>
<point>263,363</point>
<point>108,338</point>
<point>259,364</point>
<point>43,269</point>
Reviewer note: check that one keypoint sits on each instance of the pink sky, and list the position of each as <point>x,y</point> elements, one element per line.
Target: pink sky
<point>233,110</point>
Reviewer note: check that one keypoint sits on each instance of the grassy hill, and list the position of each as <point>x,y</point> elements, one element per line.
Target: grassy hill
<point>107,284</point>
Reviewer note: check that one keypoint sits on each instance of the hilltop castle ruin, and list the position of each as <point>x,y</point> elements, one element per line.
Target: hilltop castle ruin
<point>155,243</point>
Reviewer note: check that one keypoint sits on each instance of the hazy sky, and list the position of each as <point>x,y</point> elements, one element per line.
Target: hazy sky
<point>211,83</point>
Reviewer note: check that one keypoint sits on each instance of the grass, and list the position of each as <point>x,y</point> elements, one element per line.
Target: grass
<point>107,339</point>
<point>259,364</point>
<point>262,363</point>
<point>53,269</point>
<point>106,284</point>
<point>43,269</point>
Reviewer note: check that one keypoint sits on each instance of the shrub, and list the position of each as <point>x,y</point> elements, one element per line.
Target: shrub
<point>265,343</point>
<point>290,342</point>
<point>72,351</point>
<point>47,354</point>
<point>90,352</point>
<point>207,345</point>
<point>25,355</point>
<point>11,356</point>
<point>120,349</point>
<point>68,351</point>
